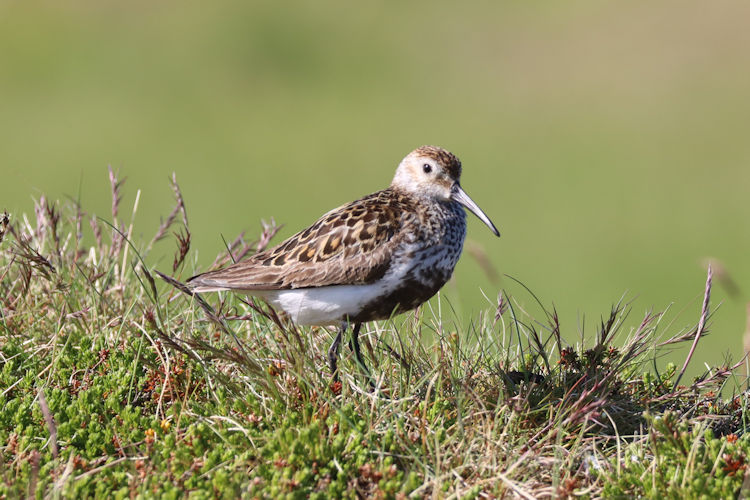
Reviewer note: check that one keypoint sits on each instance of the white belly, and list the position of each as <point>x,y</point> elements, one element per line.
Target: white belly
<point>322,306</point>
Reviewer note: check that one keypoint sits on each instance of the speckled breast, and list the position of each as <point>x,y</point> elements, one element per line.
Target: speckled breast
<point>430,260</point>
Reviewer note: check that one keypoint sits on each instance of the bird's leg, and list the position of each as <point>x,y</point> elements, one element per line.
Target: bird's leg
<point>333,351</point>
<point>354,346</point>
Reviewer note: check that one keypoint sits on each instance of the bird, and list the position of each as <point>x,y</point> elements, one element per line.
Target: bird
<point>380,255</point>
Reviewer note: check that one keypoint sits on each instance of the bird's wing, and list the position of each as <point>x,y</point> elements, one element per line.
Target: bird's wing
<point>351,245</point>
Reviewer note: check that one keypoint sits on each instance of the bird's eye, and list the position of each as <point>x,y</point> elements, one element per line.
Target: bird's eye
<point>427,168</point>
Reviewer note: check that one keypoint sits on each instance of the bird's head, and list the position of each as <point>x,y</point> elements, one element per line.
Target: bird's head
<point>435,173</point>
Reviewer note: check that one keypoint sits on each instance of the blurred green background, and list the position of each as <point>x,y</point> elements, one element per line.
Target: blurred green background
<point>607,140</point>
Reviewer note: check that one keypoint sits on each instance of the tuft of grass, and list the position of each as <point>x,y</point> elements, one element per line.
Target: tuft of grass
<point>114,384</point>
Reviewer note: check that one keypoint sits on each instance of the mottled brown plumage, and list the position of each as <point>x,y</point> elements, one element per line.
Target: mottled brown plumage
<point>350,245</point>
<point>385,253</point>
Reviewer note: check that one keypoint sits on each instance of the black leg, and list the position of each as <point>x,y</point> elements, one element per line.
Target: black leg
<point>333,352</point>
<point>354,346</point>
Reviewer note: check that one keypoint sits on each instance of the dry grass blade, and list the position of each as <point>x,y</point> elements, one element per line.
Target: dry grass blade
<point>118,235</point>
<point>183,246</point>
<point>207,309</point>
<point>50,421</point>
<point>268,313</point>
<point>638,342</point>
<point>183,239</point>
<point>701,326</point>
<point>502,306</point>
<point>28,255</point>
<point>175,283</point>
<point>79,229</point>
<point>180,200</point>
<point>52,217</point>
<point>94,223</point>
<point>164,226</point>
<point>115,185</point>
<point>269,231</point>
<point>227,257</point>
<point>238,249</point>
<point>555,323</point>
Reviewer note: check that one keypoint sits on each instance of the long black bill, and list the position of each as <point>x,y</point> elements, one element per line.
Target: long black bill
<point>459,195</point>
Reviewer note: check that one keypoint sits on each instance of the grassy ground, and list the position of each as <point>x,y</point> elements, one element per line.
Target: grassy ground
<point>114,384</point>
<point>607,140</point>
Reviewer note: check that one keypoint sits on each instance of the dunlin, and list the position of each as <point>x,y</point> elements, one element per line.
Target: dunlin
<point>382,254</point>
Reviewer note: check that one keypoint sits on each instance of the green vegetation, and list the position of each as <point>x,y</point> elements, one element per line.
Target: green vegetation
<point>115,384</point>
<point>607,140</point>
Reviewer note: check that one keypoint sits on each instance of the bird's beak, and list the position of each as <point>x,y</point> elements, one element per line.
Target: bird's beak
<point>459,195</point>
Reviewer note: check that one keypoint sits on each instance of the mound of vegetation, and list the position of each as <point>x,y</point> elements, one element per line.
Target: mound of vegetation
<point>115,384</point>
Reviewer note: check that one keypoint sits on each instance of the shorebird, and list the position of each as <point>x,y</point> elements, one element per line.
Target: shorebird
<point>366,260</point>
